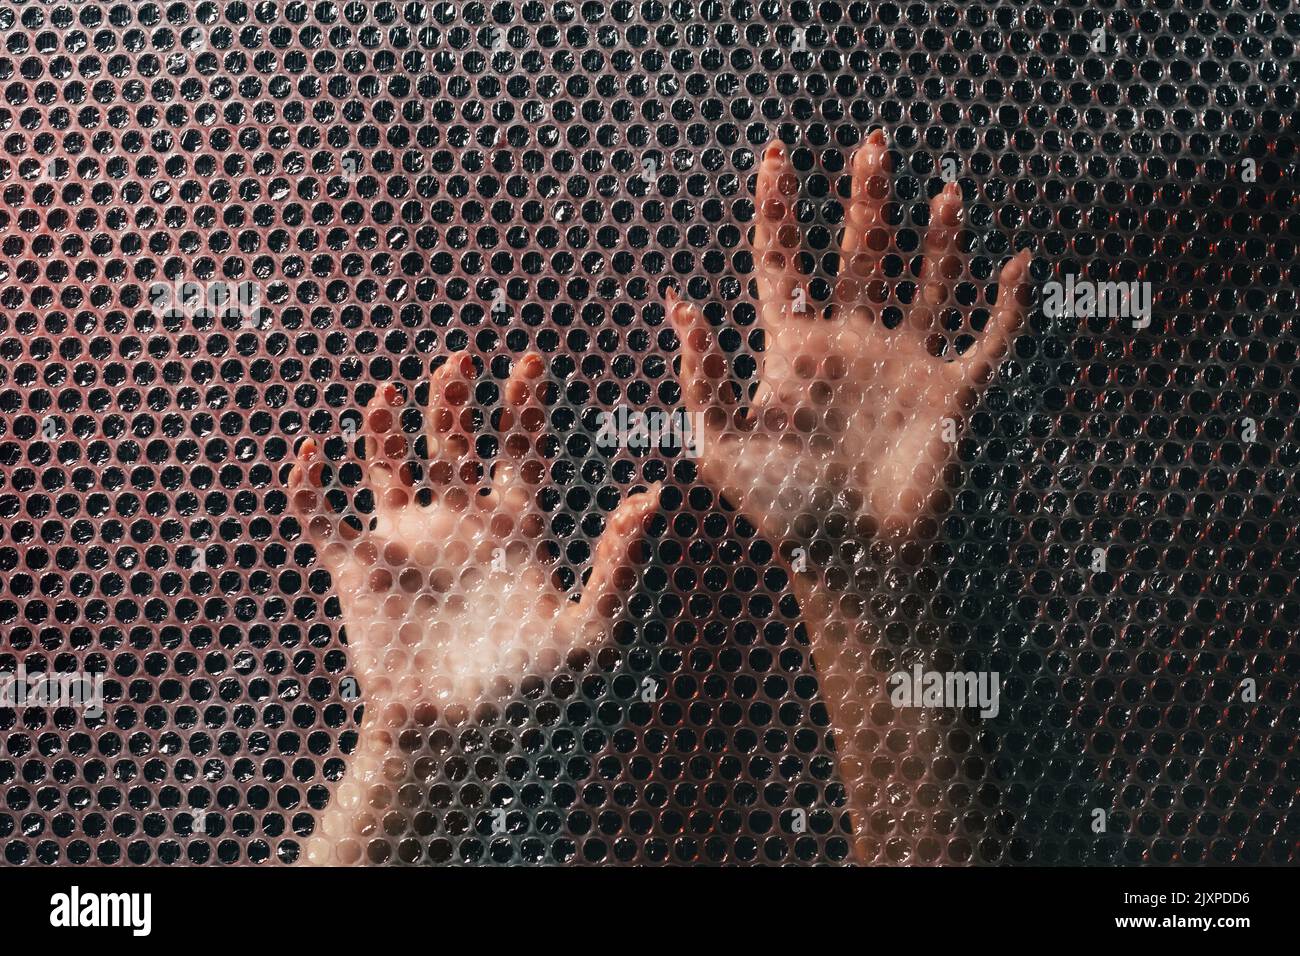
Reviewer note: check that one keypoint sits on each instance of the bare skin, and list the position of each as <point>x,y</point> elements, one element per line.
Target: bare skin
<point>845,434</point>
<point>452,603</point>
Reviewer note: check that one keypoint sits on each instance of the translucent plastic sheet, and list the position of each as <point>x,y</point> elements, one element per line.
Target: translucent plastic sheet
<point>637,433</point>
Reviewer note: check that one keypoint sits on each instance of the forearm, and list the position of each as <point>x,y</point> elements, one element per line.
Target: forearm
<point>875,741</point>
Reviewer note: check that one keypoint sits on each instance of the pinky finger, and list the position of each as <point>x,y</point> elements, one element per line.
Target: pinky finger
<point>1008,316</point>
<point>613,571</point>
<point>705,381</point>
<point>698,393</point>
<point>307,494</point>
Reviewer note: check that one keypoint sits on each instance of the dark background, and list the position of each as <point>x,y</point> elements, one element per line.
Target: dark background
<point>382,172</point>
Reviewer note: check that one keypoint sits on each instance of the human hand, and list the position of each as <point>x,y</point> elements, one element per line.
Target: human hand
<point>452,602</point>
<point>849,414</point>
<point>845,435</point>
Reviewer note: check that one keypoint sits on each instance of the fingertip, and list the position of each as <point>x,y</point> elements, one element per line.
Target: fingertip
<point>945,216</point>
<point>775,152</point>
<point>682,316</point>
<point>871,153</point>
<point>530,367</point>
<point>646,501</point>
<point>1014,270</point>
<point>627,515</point>
<point>636,508</point>
<point>305,477</point>
<point>443,373</point>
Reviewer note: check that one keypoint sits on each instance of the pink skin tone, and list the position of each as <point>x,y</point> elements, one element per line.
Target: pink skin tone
<point>844,433</point>
<point>844,429</point>
<point>449,604</point>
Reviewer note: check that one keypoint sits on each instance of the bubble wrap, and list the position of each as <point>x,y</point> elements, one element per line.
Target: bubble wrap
<point>549,433</point>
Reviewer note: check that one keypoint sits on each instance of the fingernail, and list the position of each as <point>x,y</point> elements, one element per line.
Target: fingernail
<point>308,448</point>
<point>952,191</point>
<point>670,295</point>
<point>775,151</point>
<point>391,395</point>
<point>676,312</point>
<point>532,365</point>
<point>877,137</point>
<point>466,366</point>
<point>873,148</point>
<point>1016,267</point>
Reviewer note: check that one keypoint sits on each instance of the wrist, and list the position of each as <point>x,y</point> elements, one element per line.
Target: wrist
<point>838,592</point>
